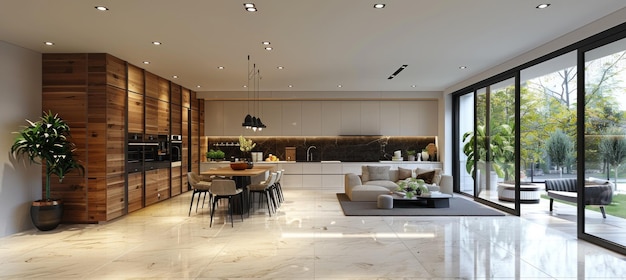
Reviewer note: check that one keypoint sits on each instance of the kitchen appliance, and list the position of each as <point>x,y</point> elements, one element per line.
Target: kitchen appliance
<point>134,153</point>
<point>176,149</point>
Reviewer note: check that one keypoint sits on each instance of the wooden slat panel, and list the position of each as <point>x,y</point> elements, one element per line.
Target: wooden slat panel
<point>186,94</point>
<point>116,130</point>
<point>96,199</point>
<point>115,193</point>
<point>152,85</point>
<point>135,191</point>
<point>194,101</point>
<point>176,181</point>
<point>135,113</point>
<point>175,95</point>
<point>151,115</point>
<point>164,117</point>
<point>152,187</point>
<point>116,72</point>
<point>176,120</point>
<point>96,135</point>
<point>64,70</point>
<point>73,192</point>
<point>164,90</point>
<point>135,79</point>
<point>164,183</point>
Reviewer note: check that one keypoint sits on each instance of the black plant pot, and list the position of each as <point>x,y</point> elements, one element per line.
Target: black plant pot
<point>46,215</point>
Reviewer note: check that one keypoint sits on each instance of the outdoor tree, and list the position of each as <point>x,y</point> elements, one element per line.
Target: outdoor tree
<point>559,148</point>
<point>612,148</point>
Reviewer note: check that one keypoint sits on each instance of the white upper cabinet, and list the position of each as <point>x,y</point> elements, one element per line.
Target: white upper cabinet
<point>311,118</point>
<point>331,118</point>
<point>325,118</point>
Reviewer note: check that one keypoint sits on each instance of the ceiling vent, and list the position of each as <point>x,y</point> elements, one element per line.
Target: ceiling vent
<point>397,72</point>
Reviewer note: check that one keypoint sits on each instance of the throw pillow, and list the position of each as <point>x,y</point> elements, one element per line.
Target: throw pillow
<point>427,177</point>
<point>378,172</point>
<point>365,174</point>
<point>436,178</point>
<point>404,173</point>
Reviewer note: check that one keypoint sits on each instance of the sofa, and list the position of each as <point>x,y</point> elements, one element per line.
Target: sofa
<point>377,180</point>
<point>597,191</point>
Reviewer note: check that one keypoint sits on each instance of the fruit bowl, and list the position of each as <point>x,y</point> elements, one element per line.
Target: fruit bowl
<point>239,165</point>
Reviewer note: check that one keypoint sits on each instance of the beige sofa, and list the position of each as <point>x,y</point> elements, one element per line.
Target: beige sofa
<point>377,180</point>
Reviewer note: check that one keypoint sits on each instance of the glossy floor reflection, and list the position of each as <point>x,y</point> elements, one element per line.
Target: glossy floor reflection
<point>309,238</point>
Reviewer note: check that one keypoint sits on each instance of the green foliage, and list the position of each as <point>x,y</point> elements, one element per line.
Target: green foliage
<point>612,148</point>
<point>46,142</point>
<point>499,148</point>
<point>215,154</point>
<point>559,148</point>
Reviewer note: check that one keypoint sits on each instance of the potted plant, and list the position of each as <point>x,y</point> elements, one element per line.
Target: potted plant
<point>46,142</point>
<point>246,145</point>
<point>411,155</point>
<point>214,155</point>
<point>412,187</point>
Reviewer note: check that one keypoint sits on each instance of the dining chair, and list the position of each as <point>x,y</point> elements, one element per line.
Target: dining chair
<point>263,189</point>
<point>221,189</point>
<point>199,187</point>
<point>278,186</point>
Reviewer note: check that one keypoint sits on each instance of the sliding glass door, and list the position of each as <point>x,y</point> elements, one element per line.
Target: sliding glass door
<point>605,143</point>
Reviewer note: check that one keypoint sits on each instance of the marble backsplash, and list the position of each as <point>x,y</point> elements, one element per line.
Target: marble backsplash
<point>341,148</point>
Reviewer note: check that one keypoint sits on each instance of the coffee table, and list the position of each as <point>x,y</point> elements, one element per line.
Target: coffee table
<point>433,200</point>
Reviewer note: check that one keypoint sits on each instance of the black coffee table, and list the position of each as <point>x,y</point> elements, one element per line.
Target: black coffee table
<point>433,200</point>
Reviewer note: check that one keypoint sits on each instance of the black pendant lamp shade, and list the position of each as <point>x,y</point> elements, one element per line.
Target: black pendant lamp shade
<point>247,122</point>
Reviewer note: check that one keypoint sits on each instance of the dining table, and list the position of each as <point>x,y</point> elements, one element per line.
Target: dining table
<point>242,178</point>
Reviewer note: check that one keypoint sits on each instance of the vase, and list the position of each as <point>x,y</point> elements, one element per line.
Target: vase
<point>425,156</point>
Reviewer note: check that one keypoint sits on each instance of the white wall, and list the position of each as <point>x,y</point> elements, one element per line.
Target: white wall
<point>20,91</point>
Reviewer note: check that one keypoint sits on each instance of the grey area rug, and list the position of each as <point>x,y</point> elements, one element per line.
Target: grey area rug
<point>458,207</point>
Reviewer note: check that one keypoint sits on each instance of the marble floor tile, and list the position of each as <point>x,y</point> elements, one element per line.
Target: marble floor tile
<point>310,238</point>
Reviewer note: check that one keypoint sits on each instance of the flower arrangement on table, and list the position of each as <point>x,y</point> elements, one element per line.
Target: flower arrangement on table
<point>412,187</point>
<point>246,145</point>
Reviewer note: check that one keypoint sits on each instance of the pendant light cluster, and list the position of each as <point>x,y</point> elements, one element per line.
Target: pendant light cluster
<point>253,122</point>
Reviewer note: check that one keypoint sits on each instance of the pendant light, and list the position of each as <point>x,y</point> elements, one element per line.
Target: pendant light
<point>247,121</point>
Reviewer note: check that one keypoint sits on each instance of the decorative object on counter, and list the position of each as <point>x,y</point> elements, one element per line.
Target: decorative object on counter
<point>47,142</point>
<point>410,154</point>
<point>425,155</point>
<point>246,145</point>
<point>397,156</point>
<point>239,165</point>
<point>215,155</point>
<point>271,157</point>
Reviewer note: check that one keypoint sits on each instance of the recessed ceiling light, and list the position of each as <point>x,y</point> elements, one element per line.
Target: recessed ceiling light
<point>542,6</point>
<point>174,77</point>
<point>462,67</point>
<point>146,62</point>
<point>268,48</point>
<point>198,86</point>
<point>379,6</point>
<point>48,43</point>
<point>250,7</point>
<point>412,86</point>
<point>280,68</point>
<point>290,86</point>
<point>265,43</point>
<point>101,8</point>
<point>220,67</point>
<point>339,86</point>
<point>156,43</point>
<point>245,86</point>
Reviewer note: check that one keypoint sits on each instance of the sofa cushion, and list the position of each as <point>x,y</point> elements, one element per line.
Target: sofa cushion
<point>383,183</point>
<point>377,173</point>
<point>365,173</point>
<point>436,179</point>
<point>404,173</point>
<point>427,177</point>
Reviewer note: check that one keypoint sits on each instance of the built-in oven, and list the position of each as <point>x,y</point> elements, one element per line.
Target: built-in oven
<point>176,150</point>
<point>134,153</point>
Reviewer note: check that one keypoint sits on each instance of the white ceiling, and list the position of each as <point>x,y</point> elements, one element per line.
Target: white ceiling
<point>321,43</point>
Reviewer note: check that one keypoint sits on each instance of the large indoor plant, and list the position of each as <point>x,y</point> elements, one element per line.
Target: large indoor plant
<point>46,142</point>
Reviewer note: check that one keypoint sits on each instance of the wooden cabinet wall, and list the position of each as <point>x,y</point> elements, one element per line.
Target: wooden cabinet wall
<point>103,98</point>
<point>89,92</point>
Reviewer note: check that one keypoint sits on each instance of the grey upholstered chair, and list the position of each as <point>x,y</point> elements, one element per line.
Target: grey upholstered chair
<point>222,188</point>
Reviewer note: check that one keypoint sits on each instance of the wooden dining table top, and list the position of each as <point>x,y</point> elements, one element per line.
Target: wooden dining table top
<point>227,171</point>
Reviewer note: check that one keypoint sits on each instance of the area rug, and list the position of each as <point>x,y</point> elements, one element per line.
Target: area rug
<point>458,207</point>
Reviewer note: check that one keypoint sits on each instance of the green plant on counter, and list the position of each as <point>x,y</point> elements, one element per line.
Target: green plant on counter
<point>215,154</point>
<point>411,152</point>
<point>246,145</point>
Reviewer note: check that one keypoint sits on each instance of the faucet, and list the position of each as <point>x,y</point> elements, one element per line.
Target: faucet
<point>309,156</point>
